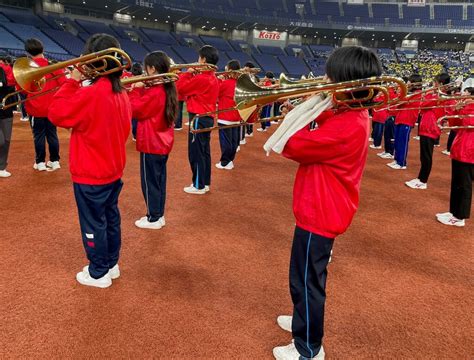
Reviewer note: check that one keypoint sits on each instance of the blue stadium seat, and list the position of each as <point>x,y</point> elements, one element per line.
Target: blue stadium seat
<point>93,27</point>
<point>54,22</point>
<point>3,18</point>
<point>71,43</point>
<point>416,12</point>
<point>356,10</point>
<point>327,8</point>
<point>223,60</point>
<point>159,36</point>
<point>241,56</point>
<point>24,17</point>
<point>9,41</point>
<point>294,66</point>
<point>272,50</point>
<point>382,11</point>
<point>218,42</point>
<point>306,51</point>
<point>269,63</point>
<point>236,44</point>
<point>188,54</point>
<point>25,32</point>
<point>448,12</point>
<point>133,49</point>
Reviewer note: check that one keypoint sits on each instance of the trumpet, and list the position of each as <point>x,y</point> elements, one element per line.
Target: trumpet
<point>32,78</point>
<point>151,80</point>
<point>177,68</point>
<point>445,119</point>
<point>230,74</point>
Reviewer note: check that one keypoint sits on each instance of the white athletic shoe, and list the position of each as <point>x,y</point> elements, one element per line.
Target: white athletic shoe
<point>249,135</point>
<point>143,223</point>
<point>261,130</point>
<point>238,148</point>
<point>284,321</point>
<point>395,166</point>
<point>40,167</point>
<point>416,137</point>
<point>452,221</point>
<point>446,152</point>
<point>385,155</point>
<point>289,352</point>
<point>84,278</point>
<point>243,142</point>
<point>446,214</point>
<point>372,146</point>
<point>114,272</point>
<point>437,145</point>
<point>371,139</point>
<point>25,119</point>
<point>53,165</point>
<point>186,123</point>
<point>178,129</point>
<point>416,184</point>
<point>207,188</point>
<point>4,174</point>
<point>229,166</point>
<point>192,190</point>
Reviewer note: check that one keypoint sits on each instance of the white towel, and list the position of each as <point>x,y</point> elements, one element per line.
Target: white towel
<point>297,119</point>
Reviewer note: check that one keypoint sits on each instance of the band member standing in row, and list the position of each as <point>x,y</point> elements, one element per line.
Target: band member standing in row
<point>43,129</point>
<point>405,119</point>
<point>462,169</point>
<point>228,138</point>
<point>267,109</point>
<point>331,161</point>
<point>249,68</point>
<point>201,91</point>
<point>99,116</point>
<point>155,108</point>
<point>429,130</point>
<point>136,70</point>
<point>7,86</point>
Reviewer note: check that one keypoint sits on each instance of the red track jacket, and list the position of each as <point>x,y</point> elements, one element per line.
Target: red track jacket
<point>154,136</point>
<point>409,117</point>
<point>201,91</point>
<point>100,122</point>
<point>226,100</point>
<point>382,114</point>
<point>463,145</point>
<point>8,74</point>
<point>429,118</point>
<point>39,107</point>
<point>332,160</point>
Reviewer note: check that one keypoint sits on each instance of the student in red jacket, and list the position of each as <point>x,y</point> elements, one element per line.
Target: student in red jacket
<point>267,109</point>
<point>405,120</point>
<point>228,138</point>
<point>201,91</point>
<point>331,159</point>
<point>155,108</point>
<point>99,116</point>
<point>462,173</point>
<point>429,130</point>
<point>43,129</point>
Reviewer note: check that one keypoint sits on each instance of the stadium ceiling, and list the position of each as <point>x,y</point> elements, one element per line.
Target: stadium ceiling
<point>165,14</point>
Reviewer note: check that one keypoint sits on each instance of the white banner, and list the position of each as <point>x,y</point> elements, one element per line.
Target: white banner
<point>416,2</point>
<point>270,35</point>
<point>355,1</point>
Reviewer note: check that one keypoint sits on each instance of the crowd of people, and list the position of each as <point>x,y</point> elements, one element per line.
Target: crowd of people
<point>330,146</point>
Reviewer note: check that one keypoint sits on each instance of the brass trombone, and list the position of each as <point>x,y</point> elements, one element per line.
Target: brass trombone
<point>445,119</point>
<point>285,82</point>
<point>32,78</point>
<point>230,74</point>
<point>151,80</point>
<point>177,68</point>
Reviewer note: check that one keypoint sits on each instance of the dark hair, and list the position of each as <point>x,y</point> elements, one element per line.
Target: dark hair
<point>209,53</point>
<point>249,64</point>
<point>161,62</point>
<point>98,42</point>
<point>233,65</point>
<point>34,47</point>
<point>352,63</point>
<point>416,82</point>
<point>443,78</point>
<point>470,90</point>
<point>137,69</point>
<point>269,75</point>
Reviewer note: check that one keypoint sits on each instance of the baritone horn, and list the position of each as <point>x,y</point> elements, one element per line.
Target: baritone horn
<point>151,80</point>
<point>31,77</point>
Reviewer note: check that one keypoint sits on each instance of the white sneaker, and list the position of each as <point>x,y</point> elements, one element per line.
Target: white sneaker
<point>284,321</point>
<point>446,214</point>
<point>395,166</point>
<point>25,119</point>
<point>437,145</point>
<point>187,123</point>
<point>446,152</point>
<point>229,166</point>
<point>114,272</point>
<point>372,146</point>
<point>416,137</point>
<point>192,190</point>
<point>207,188</point>
<point>243,142</point>
<point>261,130</point>
<point>385,155</point>
<point>371,139</point>
<point>4,174</point>
<point>238,148</point>
<point>178,129</point>
<point>289,352</point>
<point>53,165</point>
<point>40,167</point>
<point>143,223</point>
<point>249,135</point>
<point>84,278</point>
<point>452,221</point>
<point>416,184</point>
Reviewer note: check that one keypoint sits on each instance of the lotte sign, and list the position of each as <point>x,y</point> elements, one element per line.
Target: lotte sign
<point>264,37</point>
<point>273,35</point>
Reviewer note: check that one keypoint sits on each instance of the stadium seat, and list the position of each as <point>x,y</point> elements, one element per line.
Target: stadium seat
<point>269,63</point>
<point>68,41</point>
<point>9,41</point>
